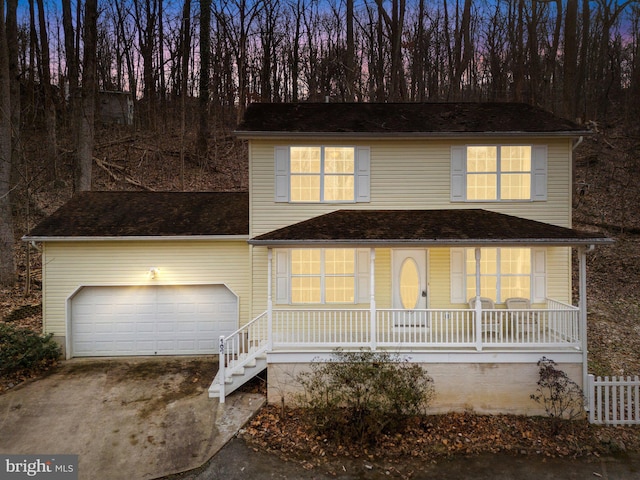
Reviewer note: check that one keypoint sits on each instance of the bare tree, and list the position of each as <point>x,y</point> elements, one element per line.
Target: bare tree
<point>185,49</point>
<point>84,151</point>
<point>570,59</point>
<point>14,74</point>
<point>350,59</point>
<point>395,28</point>
<point>49,106</point>
<point>146,16</point>
<point>293,46</point>
<point>7,259</point>
<point>205,63</point>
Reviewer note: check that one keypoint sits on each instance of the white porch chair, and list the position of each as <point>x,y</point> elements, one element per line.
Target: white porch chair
<point>491,321</point>
<point>529,319</point>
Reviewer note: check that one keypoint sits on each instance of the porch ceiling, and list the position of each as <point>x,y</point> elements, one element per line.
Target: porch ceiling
<point>425,227</point>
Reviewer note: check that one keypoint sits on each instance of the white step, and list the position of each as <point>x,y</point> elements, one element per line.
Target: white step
<point>238,376</point>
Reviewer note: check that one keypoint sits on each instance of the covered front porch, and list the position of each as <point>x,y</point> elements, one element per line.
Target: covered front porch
<point>443,314</point>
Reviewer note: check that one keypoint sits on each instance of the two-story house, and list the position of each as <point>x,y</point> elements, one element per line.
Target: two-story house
<point>441,232</point>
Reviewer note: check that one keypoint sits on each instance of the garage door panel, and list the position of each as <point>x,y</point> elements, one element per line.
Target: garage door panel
<point>151,320</point>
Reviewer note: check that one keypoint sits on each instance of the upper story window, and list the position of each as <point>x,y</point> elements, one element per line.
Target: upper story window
<point>499,173</point>
<point>493,173</point>
<point>321,174</point>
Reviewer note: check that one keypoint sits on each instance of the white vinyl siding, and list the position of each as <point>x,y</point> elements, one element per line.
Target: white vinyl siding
<point>406,174</point>
<point>69,265</point>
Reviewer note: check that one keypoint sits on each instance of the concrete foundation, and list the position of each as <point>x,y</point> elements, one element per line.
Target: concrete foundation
<point>485,388</point>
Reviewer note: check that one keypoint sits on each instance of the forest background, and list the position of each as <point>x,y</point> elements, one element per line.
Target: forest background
<point>191,68</point>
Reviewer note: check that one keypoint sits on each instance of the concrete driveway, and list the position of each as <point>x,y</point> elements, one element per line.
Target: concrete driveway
<point>132,418</point>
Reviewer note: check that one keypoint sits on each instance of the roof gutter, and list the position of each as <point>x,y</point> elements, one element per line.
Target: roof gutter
<point>549,242</point>
<point>137,238</point>
<point>243,134</point>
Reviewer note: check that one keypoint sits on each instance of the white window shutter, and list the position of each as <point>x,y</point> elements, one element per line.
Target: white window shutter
<point>458,170</point>
<point>363,174</point>
<point>282,277</point>
<point>282,174</point>
<point>539,271</point>
<point>363,276</point>
<point>458,288</point>
<point>539,173</point>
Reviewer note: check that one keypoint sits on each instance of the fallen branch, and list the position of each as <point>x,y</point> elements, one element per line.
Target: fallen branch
<point>105,166</point>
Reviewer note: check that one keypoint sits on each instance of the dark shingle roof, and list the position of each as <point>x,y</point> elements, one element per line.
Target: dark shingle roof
<point>402,119</point>
<point>424,227</point>
<point>147,214</point>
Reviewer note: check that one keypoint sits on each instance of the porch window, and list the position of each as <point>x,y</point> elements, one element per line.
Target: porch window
<point>493,173</point>
<point>322,174</point>
<point>323,275</point>
<point>504,273</point>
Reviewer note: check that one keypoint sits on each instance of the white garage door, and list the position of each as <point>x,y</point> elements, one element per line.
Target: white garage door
<point>151,320</point>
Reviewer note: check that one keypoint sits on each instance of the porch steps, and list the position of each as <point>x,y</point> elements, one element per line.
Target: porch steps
<point>239,372</point>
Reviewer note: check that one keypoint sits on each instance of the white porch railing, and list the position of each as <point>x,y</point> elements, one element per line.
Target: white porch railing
<point>433,327</point>
<point>326,328</point>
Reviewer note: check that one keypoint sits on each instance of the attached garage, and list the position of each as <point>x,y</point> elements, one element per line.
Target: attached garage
<point>145,273</point>
<point>151,320</point>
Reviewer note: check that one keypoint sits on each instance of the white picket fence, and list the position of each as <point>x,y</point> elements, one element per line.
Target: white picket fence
<point>614,401</point>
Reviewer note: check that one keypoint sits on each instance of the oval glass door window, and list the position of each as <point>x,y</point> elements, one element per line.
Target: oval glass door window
<point>409,284</point>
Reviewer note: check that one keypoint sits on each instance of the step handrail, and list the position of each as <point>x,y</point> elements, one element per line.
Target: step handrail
<point>250,339</point>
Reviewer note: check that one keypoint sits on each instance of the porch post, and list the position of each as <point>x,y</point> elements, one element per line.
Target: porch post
<point>478,302</point>
<point>582,252</point>
<point>372,302</point>
<point>269,300</point>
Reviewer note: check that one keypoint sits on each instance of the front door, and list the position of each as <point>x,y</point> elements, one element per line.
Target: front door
<point>410,288</point>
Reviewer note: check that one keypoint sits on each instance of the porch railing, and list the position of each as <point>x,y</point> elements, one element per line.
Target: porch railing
<point>329,328</point>
<point>556,326</point>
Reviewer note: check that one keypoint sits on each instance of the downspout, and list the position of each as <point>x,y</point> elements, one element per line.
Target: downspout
<point>577,143</point>
<point>583,318</point>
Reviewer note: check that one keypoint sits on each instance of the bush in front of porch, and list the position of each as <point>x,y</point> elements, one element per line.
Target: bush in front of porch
<point>561,397</point>
<point>357,396</point>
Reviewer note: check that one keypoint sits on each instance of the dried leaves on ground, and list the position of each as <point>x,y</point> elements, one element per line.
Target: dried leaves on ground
<point>437,437</point>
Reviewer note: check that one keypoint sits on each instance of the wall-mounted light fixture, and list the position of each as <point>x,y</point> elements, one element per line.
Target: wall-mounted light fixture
<point>154,272</point>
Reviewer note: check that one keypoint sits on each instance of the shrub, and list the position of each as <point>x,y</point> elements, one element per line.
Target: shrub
<point>560,396</point>
<point>22,350</point>
<point>359,395</point>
